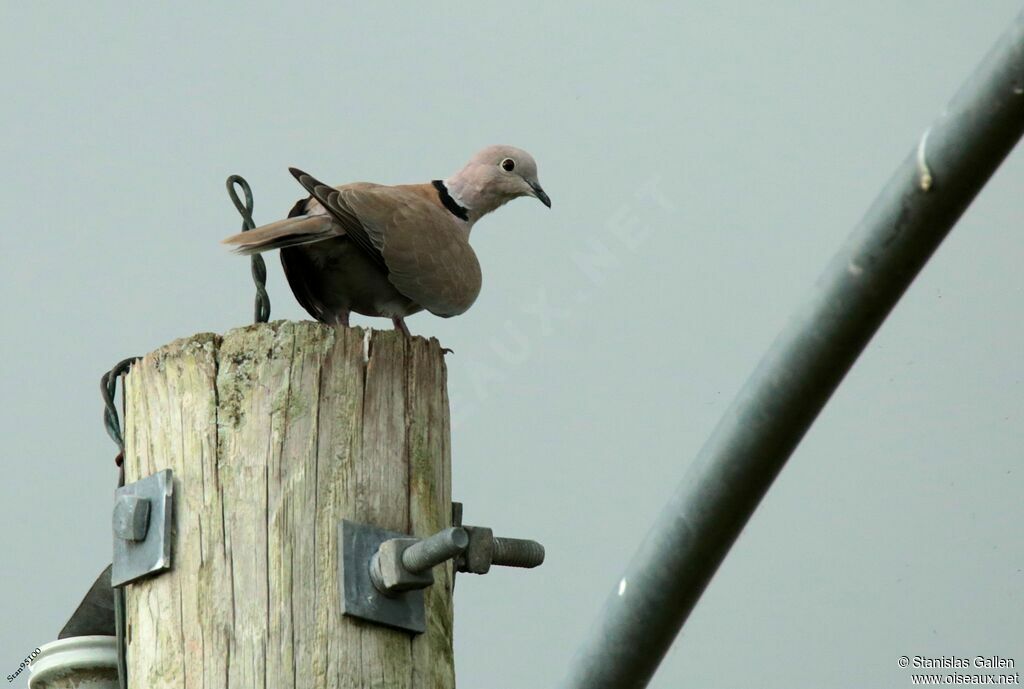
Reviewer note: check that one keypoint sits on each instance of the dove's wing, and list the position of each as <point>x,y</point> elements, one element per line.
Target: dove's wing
<point>427,256</point>
<point>330,199</point>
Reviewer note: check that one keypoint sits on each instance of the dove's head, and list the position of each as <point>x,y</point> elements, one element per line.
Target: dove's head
<point>493,177</point>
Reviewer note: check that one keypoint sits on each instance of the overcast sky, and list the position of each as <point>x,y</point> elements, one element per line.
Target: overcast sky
<point>612,330</point>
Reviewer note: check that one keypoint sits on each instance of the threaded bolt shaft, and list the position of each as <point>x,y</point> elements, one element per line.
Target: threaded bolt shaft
<point>517,552</point>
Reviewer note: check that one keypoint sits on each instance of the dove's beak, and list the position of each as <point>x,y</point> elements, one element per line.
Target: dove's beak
<point>540,193</point>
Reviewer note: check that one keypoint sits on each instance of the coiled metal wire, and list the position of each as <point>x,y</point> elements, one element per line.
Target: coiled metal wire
<point>259,266</point>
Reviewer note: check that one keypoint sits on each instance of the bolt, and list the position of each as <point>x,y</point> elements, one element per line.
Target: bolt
<point>131,517</point>
<point>432,551</point>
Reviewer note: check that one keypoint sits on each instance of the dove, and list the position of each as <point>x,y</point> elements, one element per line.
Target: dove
<point>392,251</point>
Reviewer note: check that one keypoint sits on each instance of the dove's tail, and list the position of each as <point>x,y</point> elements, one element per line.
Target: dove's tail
<point>301,229</point>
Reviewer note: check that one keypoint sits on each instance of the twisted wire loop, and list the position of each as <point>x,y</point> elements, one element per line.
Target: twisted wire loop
<point>112,423</point>
<point>111,420</point>
<point>259,267</point>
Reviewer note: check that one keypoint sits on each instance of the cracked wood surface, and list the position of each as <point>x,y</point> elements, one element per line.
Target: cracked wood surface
<point>276,432</point>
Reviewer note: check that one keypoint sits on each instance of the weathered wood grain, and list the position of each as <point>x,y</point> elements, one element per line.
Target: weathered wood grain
<point>275,433</point>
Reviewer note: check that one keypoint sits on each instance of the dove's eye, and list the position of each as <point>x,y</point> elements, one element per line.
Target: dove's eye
<point>508,165</point>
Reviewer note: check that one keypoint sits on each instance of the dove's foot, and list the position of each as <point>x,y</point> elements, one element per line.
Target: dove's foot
<point>400,326</point>
<point>341,319</point>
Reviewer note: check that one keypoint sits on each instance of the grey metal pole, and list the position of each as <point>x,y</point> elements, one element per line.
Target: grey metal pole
<point>945,170</point>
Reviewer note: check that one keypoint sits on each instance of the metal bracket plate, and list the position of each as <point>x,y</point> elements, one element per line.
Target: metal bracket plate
<point>152,553</point>
<point>359,597</point>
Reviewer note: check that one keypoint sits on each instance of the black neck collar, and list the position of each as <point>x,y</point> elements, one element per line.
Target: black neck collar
<point>450,203</point>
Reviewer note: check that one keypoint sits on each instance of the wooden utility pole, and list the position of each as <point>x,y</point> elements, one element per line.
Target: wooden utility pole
<point>275,433</point>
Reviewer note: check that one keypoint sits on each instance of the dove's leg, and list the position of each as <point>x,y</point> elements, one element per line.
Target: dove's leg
<point>400,325</point>
<point>341,318</point>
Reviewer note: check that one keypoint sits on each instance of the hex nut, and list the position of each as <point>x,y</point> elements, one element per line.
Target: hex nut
<point>131,517</point>
<point>388,573</point>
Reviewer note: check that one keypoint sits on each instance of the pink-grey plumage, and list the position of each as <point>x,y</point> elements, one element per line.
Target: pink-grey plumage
<point>392,251</point>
